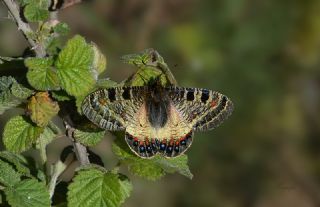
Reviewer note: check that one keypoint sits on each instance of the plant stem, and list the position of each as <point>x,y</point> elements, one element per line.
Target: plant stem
<point>79,149</point>
<point>55,171</point>
<point>24,27</point>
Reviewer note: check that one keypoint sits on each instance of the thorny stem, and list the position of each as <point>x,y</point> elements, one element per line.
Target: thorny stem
<point>24,27</point>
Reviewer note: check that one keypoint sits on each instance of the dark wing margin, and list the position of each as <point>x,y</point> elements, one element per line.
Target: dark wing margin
<point>203,108</point>
<point>111,108</point>
<point>168,148</point>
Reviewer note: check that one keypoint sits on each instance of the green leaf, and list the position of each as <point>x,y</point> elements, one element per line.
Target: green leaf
<point>41,75</point>
<point>151,169</point>
<point>151,65</point>
<point>29,193</point>
<point>146,75</point>
<point>94,187</point>
<point>106,83</point>
<point>142,59</point>
<point>8,176</point>
<point>19,134</point>
<point>7,100</point>
<point>42,108</point>
<point>61,28</point>
<point>99,60</point>
<point>88,138</point>
<point>61,96</point>
<point>18,161</point>
<point>34,13</point>
<point>176,164</point>
<point>74,67</point>
<point>45,138</point>
<point>20,91</point>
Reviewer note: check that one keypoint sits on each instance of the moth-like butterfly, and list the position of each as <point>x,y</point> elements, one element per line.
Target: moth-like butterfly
<point>157,119</point>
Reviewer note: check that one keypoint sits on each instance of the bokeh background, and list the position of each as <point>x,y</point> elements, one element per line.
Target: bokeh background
<point>263,54</point>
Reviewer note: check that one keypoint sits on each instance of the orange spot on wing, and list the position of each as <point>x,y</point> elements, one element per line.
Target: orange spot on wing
<point>102,101</point>
<point>213,103</point>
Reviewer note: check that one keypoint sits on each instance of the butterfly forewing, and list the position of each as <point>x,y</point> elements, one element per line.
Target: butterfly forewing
<point>204,109</point>
<point>112,108</point>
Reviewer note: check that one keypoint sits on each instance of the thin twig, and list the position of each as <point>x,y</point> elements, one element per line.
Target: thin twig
<point>24,27</point>
<point>79,149</point>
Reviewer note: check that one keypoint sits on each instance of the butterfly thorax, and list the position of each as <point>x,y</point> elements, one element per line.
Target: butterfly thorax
<point>157,107</point>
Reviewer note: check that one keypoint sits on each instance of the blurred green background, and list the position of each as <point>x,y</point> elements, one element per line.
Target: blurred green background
<point>263,54</point>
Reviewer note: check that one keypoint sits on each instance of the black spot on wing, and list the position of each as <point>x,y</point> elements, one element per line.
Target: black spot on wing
<point>204,95</point>
<point>190,94</point>
<point>112,94</point>
<point>126,93</point>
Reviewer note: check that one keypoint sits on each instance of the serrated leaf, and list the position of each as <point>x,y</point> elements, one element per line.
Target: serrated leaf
<point>88,138</point>
<point>7,100</point>
<point>74,67</point>
<point>61,96</point>
<point>29,193</point>
<point>106,83</point>
<point>151,65</point>
<point>6,82</point>
<point>146,76</point>
<point>176,164</point>
<point>41,75</point>
<point>94,187</point>
<point>47,136</point>
<point>20,91</point>
<point>42,108</point>
<point>18,161</point>
<point>99,60</point>
<point>142,59</point>
<point>8,176</point>
<point>19,134</point>
<point>34,13</point>
<point>61,28</point>
<point>148,169</point>
<point>151,169</point>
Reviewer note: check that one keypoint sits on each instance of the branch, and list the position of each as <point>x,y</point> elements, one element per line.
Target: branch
<point>24,27</point>
<point>79,149</point>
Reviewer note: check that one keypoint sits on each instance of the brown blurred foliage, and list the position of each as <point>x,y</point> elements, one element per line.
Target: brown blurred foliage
<point>263,54</point>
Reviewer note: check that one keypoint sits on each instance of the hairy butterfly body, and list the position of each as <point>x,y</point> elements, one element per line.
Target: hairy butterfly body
<point>157,119</point>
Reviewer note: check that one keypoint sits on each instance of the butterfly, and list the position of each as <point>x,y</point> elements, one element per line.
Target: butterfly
<point>157,119</point>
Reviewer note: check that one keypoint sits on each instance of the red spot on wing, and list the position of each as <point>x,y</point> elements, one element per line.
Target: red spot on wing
<point>147,141</point>
<point>213,103</point>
